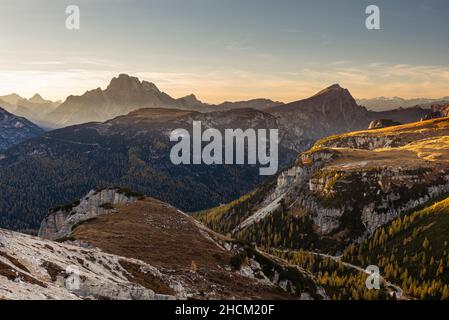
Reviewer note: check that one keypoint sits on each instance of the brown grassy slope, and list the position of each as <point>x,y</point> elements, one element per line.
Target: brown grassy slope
<point>152,231</point>
<point>160,235</point>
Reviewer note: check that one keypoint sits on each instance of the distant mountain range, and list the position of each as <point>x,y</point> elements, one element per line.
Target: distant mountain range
<point>14,129</point>
<point>35,109</point>
<point>125,94</point>
<point>383,104</point>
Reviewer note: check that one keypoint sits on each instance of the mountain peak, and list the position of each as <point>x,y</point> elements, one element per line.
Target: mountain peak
<point>333,88</point>
<point>191,99</point>
<point>12,98</point>
<point>37,98</point>
<point>190,96</point>
<point>123,82</point>
<point>127,83</point>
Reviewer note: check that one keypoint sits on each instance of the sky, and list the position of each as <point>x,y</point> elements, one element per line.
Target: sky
<point>227,50</point>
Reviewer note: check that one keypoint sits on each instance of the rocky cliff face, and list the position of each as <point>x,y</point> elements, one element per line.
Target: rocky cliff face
<point>378,197</point>
<point>60,220</point>
<point>34,109</point>
<point>14,129</point>
<point>347,186</point>
<point>37,269</point>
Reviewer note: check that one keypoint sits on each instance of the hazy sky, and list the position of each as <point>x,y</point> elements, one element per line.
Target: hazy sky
<point>227,49</point>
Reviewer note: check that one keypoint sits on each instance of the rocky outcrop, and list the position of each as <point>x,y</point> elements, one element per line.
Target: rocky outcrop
<point>438,111</point>
<point>382,123</point>
<point>61,220</point>
<point>125,94</point>
<point>373,198</point>
<point>432,115</point>
<point>37,269</point>
<point>293,180</point>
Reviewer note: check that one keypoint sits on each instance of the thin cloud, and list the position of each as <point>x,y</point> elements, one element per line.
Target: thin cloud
<point>44,63</point>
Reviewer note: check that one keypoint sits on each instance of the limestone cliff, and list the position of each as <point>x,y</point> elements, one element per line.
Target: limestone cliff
<point>347,186</point>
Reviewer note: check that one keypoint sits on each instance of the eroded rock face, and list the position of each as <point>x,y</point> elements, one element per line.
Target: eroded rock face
<point>374,218</point>
<point>326,220</point>
<point>38,269</point>
<point>291,181</point>
<point>373,197</point>
<point>60,221</point>
<point>346,197</point>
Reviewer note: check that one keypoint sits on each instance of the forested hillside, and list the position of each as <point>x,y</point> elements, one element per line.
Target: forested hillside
<point>412,250</point>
